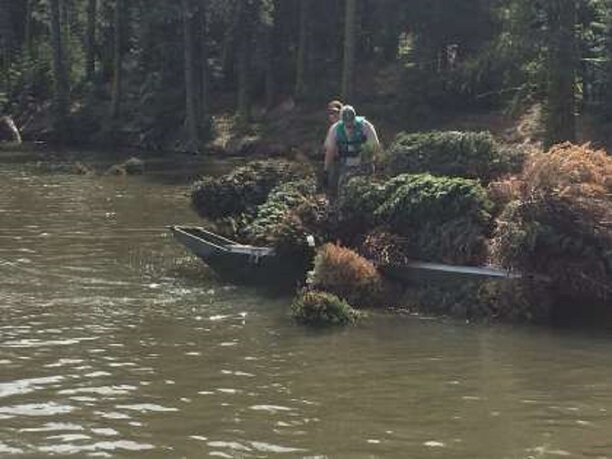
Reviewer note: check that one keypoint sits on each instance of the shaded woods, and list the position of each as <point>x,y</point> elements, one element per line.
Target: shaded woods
<point>172,75</point>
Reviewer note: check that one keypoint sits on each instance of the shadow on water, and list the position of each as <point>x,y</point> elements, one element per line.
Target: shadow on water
<point>570,313</point>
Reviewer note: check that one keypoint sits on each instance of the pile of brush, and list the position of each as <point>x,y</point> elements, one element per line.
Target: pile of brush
<point>475,155</point>
<point>440,219</point>
<point>243,189</point>
<point>559,223</point>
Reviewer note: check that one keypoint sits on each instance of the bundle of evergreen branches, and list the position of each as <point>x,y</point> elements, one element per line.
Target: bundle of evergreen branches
<point>443,219</point>
<point>491,300</point>
<point>358,203</point>
<point>474,155</point>
<point>312,307</point>
<point>385,248</point>
<point>561,225</point>
<point>348,275</point>
<point>291,213</point>
<point>243,189</point>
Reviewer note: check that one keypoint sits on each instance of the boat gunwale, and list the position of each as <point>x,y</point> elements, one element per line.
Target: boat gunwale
<point>182,231</point>
<point>210,239</point>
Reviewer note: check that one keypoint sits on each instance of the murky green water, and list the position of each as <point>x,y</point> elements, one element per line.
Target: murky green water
<point>115,343</point>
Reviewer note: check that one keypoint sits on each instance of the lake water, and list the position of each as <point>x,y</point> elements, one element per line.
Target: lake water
<point>114,342</point>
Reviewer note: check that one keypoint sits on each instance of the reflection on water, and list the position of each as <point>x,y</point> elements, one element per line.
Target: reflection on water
<point>114,342</point>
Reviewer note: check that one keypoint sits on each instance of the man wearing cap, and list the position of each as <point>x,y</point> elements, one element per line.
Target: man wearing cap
<point>330,174</point>
<point>348,141</point>
<point>333,111</point>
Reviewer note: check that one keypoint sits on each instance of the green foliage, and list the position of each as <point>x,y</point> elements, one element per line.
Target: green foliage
<point>446,69</point>
<point>413,200</point>
<point>282,200</point>
<point>473,155</point>
<point>242,190</point>
<point>446,219</point>
<point>462,54</point>
<point>358,202</point>
<point>323,309</point>
<point>291,213</point>
<point>443,219</point>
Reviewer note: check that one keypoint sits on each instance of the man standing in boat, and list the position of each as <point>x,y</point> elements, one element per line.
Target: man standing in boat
<point>351,143</point>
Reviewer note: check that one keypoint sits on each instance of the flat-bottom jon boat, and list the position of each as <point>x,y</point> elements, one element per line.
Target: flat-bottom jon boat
<point>249,264</point>
<point>239,263</point>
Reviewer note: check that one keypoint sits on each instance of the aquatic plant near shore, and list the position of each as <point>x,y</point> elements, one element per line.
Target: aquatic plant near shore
<point>313,307</point>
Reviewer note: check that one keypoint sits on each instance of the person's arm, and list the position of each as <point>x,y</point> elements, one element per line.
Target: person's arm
<point>371,135</point>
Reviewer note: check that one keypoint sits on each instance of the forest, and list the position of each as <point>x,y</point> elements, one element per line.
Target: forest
<point>176,75</point>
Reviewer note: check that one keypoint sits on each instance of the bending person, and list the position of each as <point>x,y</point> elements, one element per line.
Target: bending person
<point>352,142</point>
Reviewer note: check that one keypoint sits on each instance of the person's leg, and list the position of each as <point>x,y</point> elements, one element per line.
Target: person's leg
<point>332,181</point>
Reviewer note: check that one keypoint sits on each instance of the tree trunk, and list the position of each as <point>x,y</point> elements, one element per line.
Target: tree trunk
<point>247,14</point>
<point>7,41</point>
<point>228,56</point>
<point>606,92</point>
<point>205,89</point>
<point>191,91</point>
<point>7,34</point>
<point>562,66</point>
<point>281,66</point>
<point>271,61</point>
<point>90,40</point>
<point>28,39</point>
<point>300,74</point>
<point>117,60</point>
<point>59,73</point>
<point>348,68</point>
<point>66,33</point>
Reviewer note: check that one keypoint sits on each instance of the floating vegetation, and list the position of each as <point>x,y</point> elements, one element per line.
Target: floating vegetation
<point>312,307</point>
<point>348,275</point>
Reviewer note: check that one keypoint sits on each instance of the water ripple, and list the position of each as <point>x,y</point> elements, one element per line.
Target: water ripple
<point>147,407</point>
<point>24,386</point>
<point>36,409</point>
<point>119,445</point>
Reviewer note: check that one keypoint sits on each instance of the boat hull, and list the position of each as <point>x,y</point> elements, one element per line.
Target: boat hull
<point>238,263</point>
